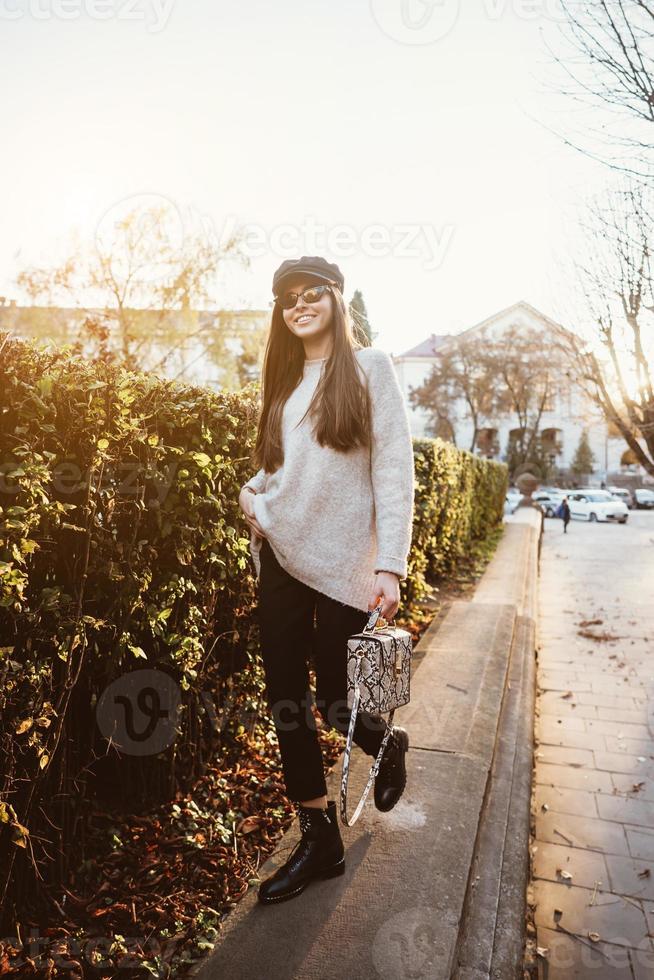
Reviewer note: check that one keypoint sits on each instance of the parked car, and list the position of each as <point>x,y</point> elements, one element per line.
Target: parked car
<point>549,500</point>
<point>622,493</point>
<point>644,499</point>
<point>597,505</point>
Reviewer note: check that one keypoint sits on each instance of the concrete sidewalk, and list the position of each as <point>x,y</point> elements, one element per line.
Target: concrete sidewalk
<point>593,857</point>
<point>409,899</point>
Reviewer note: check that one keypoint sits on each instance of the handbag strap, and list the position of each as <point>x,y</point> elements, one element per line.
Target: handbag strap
<point>374,769</point>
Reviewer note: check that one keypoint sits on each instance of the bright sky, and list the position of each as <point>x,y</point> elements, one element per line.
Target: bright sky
<point>286,115</point>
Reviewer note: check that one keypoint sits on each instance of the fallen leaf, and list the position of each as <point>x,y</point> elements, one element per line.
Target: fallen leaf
<point>248,825</point>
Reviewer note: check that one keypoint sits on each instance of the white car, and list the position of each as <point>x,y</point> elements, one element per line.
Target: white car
<point>621,493</point>
<point>549,500</point>
<point>597,505</point>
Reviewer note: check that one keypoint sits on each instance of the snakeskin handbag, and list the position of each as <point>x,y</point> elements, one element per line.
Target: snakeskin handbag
<point>378,677</point>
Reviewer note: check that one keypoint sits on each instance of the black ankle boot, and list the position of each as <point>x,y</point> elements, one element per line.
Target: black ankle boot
<point>318,854</point>
<point>391,778</point>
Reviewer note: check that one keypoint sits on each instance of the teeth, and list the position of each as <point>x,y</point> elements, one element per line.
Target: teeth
<point>304,319</point>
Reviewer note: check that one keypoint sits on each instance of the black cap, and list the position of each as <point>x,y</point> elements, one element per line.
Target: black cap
<point>312,265</point>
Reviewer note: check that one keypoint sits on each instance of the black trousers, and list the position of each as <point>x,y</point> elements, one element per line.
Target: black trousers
<point>288,636</point>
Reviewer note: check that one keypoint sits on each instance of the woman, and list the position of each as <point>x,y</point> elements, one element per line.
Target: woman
<point>330,512</point>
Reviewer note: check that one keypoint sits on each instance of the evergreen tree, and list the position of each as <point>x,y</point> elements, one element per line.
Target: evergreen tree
<point>584,458</point>
<point>359,314</point>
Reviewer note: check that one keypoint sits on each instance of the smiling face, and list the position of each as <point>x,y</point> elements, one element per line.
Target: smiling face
<point>311,322</point>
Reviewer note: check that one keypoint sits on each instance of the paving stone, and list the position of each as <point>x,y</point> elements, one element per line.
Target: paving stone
<point>570,958</point>
<point>625,762</point>
<point>614,686</point>
<point>551,703</point>
<point>566,723</point>
<point>626,810</point>
<point>556,735</point>
<point>635,746</point>
<point>636,716</point>
<point>625,784</point>
<point>628,876</point>
<point>561,756</point>
<point>558,680</point>
<point>609,727</point>
<point>586,778</point>
<point>617,920</point>
<point>586,867</point>
<point>562,800</point>
<point>641,843</point>
<point>642,961</point>
<point>597,835</point>
<point>616,700</point>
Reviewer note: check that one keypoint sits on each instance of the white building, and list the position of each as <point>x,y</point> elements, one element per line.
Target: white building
<point>567,415</point>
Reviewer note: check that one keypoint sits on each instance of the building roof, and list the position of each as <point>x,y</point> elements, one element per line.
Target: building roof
<point>427,348</point>
<point>431,346</point>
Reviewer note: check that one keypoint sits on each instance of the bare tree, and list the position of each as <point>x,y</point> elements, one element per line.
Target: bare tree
<point>610,70</point>
<point>530,375</point>
<point>464,373</point>
<point>144,278</point>
<point>611,356</point>
<point>510,375</point>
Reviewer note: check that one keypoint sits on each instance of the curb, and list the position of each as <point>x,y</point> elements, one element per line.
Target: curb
<point>493,934</point>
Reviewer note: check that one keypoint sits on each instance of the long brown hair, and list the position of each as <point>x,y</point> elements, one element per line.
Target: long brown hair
<point>340,407</point>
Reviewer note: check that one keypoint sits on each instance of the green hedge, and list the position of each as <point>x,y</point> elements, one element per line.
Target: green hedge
<point>459,500</point>
<point>122,547</point>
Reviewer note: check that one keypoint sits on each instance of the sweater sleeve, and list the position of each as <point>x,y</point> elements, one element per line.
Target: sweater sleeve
<point>257,482</point>
<point>392,467</point>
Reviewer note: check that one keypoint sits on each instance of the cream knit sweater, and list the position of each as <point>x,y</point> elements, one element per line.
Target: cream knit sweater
<point>334,519</point>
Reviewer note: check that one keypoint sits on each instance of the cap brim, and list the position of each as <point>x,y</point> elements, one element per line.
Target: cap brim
<point>313,278</point>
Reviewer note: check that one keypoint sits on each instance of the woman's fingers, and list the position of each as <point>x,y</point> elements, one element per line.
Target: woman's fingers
<point>386,589</point>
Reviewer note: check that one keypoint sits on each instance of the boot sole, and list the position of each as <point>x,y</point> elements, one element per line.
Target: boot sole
<point>332,872</point>
<point>404,737</point>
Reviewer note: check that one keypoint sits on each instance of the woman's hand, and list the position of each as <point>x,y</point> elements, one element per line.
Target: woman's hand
<point>245,503</point>
<point>386,588</point>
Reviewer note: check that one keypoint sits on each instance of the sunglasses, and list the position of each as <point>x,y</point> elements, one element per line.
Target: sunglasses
<point>310,295</point>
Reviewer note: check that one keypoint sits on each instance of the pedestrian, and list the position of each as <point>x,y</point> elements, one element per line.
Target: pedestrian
<point>330,512</point>
<point>565,514</point>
